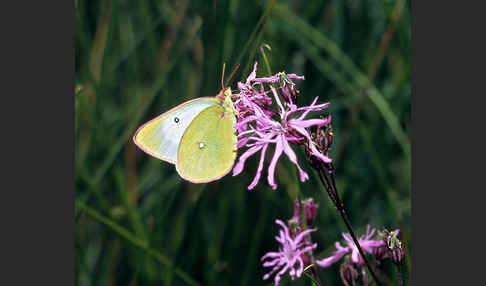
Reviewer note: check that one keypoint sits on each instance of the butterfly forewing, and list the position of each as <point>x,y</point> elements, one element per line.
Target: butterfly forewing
<point>161,136</point>
<point>207,150</point>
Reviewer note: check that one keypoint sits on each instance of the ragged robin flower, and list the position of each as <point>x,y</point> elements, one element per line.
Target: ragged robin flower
<point>259,126</point>
<point>290,256</point>
<point>367,243</point>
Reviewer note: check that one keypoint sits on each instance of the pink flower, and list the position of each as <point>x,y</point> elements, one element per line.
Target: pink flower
<point>366,242</point>
<point>257,128</point>
<point>289,254</point>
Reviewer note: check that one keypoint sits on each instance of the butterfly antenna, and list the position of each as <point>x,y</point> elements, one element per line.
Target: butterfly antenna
<point>232,74</point>
<point>222,76</point>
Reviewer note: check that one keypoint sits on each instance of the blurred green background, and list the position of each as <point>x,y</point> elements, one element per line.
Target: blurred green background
<point>138,223</point>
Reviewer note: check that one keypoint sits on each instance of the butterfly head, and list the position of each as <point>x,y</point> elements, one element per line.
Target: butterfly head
<point>225,94</point>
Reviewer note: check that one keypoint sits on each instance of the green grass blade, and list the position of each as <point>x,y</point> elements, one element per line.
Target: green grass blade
<point>140,243</point>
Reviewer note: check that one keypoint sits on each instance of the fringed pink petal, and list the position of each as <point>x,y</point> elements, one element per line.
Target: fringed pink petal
<point>270,79</point>
<point>301,266</point>
<point>272,262</point>
<point>313,148</point>
<point>275,95</point>
<point>340,252</point>
<point>293,158</point>
<point>266,276</point>
<point>282,271</point>
<point>241,161</point>
<point>273,164</point>
<point>252,75</point>
<point>260,168</point>
<point>294,76</point>
<point>271,255</point>
<point>285,228</point>
<point>308,123</point>
<point>301,235</point>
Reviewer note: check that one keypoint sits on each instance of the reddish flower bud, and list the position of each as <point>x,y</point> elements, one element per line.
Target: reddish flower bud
<point>310,210</point>
<point>396,254</point>
<point>379,253</point>
<point>349,275</point>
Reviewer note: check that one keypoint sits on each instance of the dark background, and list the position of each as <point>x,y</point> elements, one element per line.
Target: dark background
<point>134,216</point>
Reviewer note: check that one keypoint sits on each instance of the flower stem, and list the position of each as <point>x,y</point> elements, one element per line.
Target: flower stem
<point>312,277</point>
<point>399,274</point>
<point>330,186</point>
<point>304,226</point>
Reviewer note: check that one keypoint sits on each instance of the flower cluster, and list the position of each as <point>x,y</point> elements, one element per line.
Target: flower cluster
<point>259,125</point>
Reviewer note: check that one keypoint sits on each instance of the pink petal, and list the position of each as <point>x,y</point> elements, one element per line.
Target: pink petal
<point>348,238</point>
<point>241,162</point>
<point>273,163</point>
<point>267,79</point>
<point>307,108</point>
<point>282,224</point>
<point>271,255</point>
<point>242,142</point>
<point>260,168</point>
<point>274,92</point>
<point>308,123</point>
<point>293,158</point>
<point>266,276</point>
<point>246,120</point>
<point>272,262</point>
<point>282,271</point>
<point>340,252</point>
<point>301,266</point>
<point>356,257</point>
<point>294,76</point>
<point>301,235</point>
<point>252,74</point>
<point>313,148</point>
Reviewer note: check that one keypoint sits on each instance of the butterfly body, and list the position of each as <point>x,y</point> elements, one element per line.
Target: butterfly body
<point>197,136</point>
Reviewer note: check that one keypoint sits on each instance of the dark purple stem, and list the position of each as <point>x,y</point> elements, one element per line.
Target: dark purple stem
<point>399,274</point>
<point>334,195</point>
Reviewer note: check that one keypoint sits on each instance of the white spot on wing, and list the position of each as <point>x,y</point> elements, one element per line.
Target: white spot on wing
<point>171,134</point>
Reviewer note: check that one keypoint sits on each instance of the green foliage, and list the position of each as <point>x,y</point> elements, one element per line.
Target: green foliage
<point>138,223</point>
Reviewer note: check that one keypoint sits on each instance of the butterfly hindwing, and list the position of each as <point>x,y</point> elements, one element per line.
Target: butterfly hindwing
<point>161,136</point>
<point>207,150</point>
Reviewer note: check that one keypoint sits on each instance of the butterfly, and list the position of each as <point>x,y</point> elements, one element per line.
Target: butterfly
<point>197,136</point>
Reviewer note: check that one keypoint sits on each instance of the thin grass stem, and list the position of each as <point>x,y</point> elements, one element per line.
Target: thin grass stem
<point>140,243</point>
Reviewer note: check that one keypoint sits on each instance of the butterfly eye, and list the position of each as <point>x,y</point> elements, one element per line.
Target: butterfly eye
<point>176,120</point>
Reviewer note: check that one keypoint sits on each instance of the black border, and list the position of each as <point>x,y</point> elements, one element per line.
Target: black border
<point>447,77</point>
<point>38,139</point>
<point>38,202</point>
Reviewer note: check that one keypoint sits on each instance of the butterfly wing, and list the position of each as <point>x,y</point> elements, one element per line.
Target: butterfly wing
<point>161,136</point>
<point>207,150</point>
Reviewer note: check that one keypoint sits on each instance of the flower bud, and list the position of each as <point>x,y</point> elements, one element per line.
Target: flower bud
<point>306,259</point>
<point>288,89</point>
<point>324,139</point>
<point>296,208</point>
<point>379,253</point>
<point>396,254</point>
<point>393,244</point>
<point>348,274</point>
<point>310,210</point>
